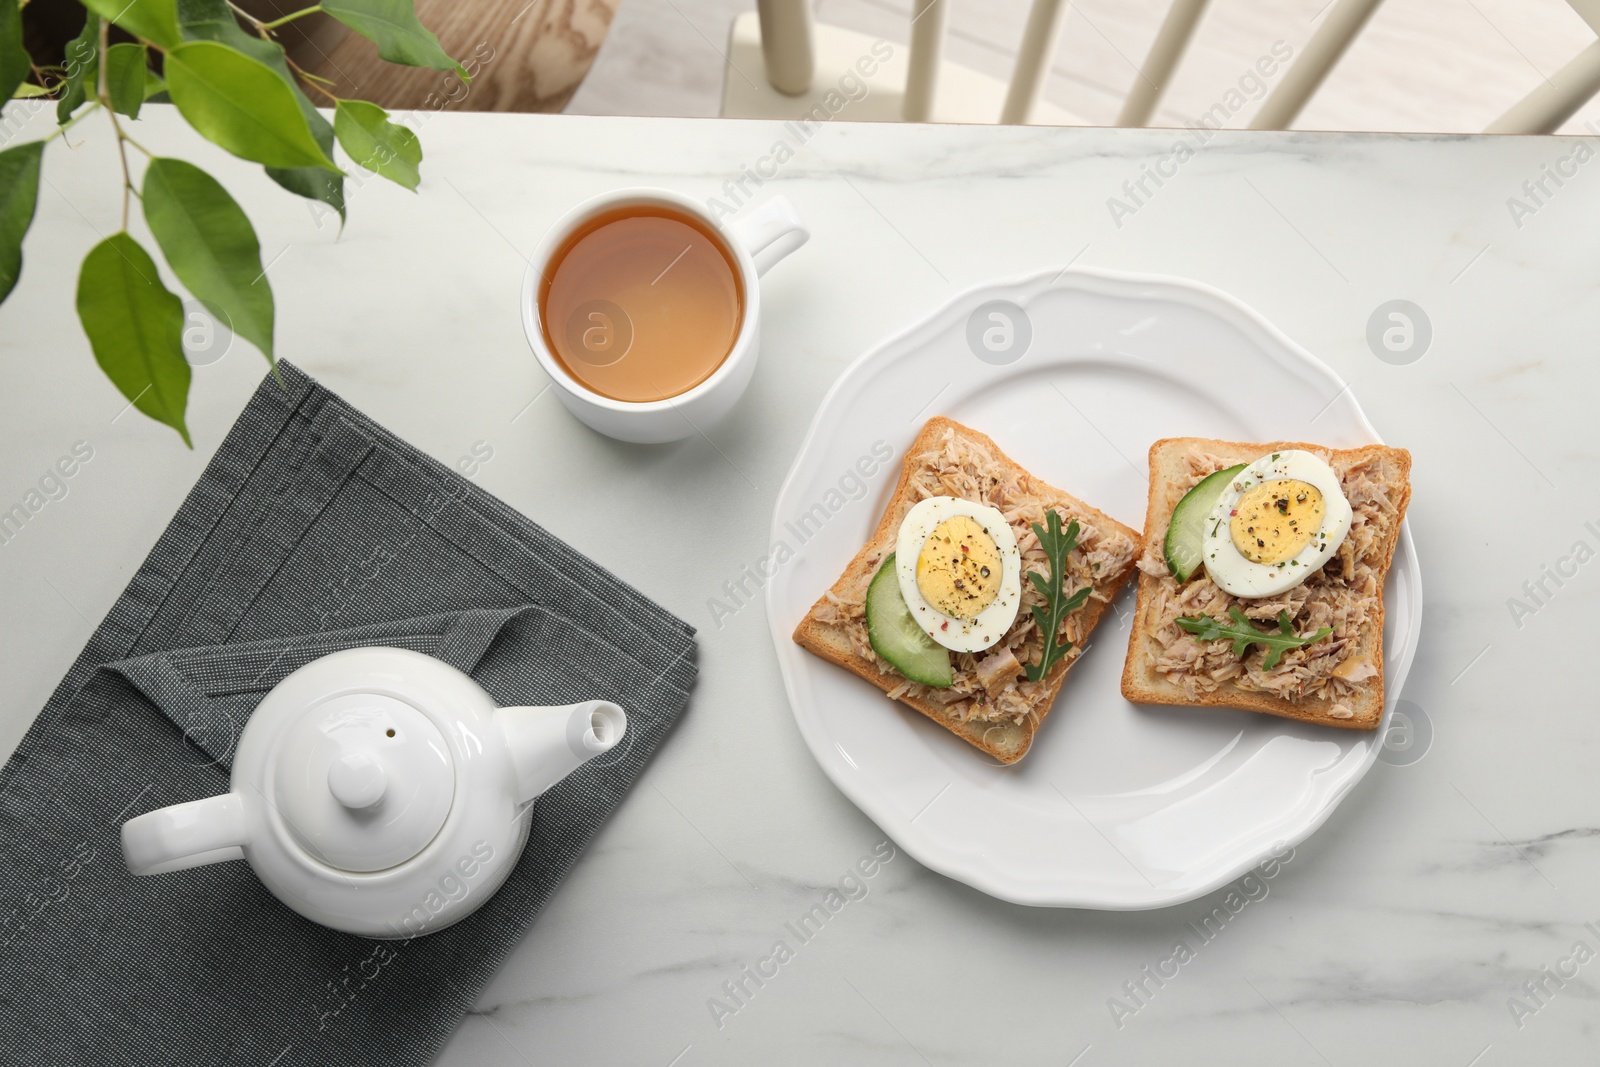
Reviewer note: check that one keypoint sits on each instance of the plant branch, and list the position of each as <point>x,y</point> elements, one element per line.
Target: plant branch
<point>242,13</point>
<point>105,97</point>
<point>275,23</point>
<point>73,121</point>
<point>310,79</point>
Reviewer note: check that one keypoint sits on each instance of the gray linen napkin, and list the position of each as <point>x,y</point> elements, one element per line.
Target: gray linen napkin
<point>312,530</point>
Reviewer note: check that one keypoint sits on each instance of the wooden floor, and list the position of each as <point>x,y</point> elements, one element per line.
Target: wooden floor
<point>1422,65</point>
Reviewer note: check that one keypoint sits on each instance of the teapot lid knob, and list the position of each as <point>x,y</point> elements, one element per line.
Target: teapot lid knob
<point>357,779</point>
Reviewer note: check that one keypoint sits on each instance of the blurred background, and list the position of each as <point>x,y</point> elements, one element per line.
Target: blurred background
<point>1451,66</point>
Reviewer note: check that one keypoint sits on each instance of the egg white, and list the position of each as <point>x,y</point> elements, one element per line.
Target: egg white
<point>990,624</point>
<point>1227,566</point>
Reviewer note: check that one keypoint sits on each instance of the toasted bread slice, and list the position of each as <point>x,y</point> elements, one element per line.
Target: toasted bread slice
<point>1002,725</point>
<point>1345,683</point>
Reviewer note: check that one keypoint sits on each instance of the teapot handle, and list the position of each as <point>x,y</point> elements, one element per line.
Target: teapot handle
<point>185,835</point>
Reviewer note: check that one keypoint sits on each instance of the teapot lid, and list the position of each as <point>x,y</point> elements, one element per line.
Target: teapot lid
<point>362,781</point>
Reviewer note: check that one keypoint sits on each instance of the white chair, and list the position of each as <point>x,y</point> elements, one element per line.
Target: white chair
<point>783,64</point>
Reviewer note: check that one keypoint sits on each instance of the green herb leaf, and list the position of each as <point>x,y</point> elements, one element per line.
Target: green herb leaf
<point>1243,634</point>
<point>125,67</point>
<point>28,90</point>
<point>211,246</point>
<point>377,144</point>
<point>212,20</point>
<point>153,86</point>
<point>154,20</point>
<point>135,327</point>
<point>1058,605</point>
<point>241,104</point>
<point>19,194</point>
<point>15,66</point>
<point>82,63</point>
<point>392,25</point>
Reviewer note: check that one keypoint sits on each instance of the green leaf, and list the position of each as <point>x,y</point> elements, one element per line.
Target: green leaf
<point>1243,634</point>
<point>19,193</point>
<point>125,67</point>
<point>376,143</point>
<point>28,89</point>
<point>135,327</point>
<point>211,246</point>
<point>212,20</point>
<point>241,104</point>
<point>82,64</point>
<point>154,20</point>
<point>153,85</point>
<point>392,25</point>
<point>1057,604</point>
<point>15,66</point>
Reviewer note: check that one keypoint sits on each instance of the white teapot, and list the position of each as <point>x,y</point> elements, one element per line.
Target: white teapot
<point>379,791</point>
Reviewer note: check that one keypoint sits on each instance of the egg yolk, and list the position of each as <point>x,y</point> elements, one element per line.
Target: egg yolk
<point>958,569</point>
<point>1274,522</point>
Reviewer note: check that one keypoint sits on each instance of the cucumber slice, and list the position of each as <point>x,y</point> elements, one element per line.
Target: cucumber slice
<point>896,637</point>
<point>1186,534</point>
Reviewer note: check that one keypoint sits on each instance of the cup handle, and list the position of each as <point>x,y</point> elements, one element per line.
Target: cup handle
<point>770,231</point>
<point>185,835</point>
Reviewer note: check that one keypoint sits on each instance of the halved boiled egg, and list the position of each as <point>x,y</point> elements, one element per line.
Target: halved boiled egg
<point>960,572</point>
<point>1275,525</point>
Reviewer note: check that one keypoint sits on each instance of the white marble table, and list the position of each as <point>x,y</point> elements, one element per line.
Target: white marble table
<point>1399,933</point>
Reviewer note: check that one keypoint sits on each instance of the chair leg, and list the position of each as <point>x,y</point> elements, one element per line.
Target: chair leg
<point>1171,40</point>
<point>1033,60</point>
<point>927,52</point>
<point>1324,50</point>
<point>1556,100</point>
<point>787,45</point>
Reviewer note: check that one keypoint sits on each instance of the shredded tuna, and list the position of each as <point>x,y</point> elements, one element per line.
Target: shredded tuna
<point>1342,595</point>
<point>998,670</point>
<point>990,686</point>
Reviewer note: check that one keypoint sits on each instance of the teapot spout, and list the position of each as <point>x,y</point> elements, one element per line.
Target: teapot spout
<point>547,744</point>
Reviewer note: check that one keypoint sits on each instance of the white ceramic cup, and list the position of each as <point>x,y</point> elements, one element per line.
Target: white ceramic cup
<point>756,240</point>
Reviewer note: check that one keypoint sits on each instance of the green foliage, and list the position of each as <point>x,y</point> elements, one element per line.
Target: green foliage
<point>377,144</point>
<point>212,20</point>
<point>1243,634</point>
<point>154,20</point>
<point>135,327</point>
<point>236,89</point>
<point>392,25</point>
<point>210,245</point>
<point>125,69</point>
<point>82,64</point>
<point>1057,604</point>
<point>240,104</point>
<point>19,192</point>
<point>14,63</point>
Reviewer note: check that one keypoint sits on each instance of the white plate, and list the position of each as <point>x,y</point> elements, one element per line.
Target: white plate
<point>1117,805</point>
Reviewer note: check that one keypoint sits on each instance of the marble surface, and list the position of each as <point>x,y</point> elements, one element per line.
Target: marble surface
<point>1409,929</point>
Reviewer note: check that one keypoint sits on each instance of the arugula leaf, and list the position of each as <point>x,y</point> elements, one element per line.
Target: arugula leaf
<point>1057,604</point>
<point>1243,634</point>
